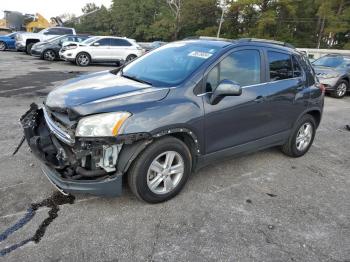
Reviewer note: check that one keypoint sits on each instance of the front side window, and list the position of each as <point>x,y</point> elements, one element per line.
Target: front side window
<point>104,42</point>
<point>242,67</point>
<point>280,66</point>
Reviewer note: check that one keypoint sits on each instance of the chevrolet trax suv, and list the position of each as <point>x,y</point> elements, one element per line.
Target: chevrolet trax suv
<point>172,111</point>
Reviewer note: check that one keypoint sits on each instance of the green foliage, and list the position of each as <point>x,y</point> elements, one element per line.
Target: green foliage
<point>306,23</point>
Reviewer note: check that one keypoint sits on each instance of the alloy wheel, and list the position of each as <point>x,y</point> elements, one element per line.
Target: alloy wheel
<point>83,59</point>
<point>341,89</point>
<point>165,172</point>
<point>304,136</point>
<point>49,55</point>
<point>2,46</point>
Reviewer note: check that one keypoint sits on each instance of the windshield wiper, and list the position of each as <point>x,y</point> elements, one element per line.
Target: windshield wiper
<point>135,79</point>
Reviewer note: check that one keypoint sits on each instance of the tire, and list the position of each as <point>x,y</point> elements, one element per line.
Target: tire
<point>49,55</point>
<point>29,48</point>
<point>3,46</point>
<point>293,148</point>
<point>141,175</point>
<point>130,58</point>
<point>341,89</point>
<point>83,59</point>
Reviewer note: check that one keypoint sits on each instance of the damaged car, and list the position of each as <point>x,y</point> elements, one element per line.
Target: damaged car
<point>164,115</point>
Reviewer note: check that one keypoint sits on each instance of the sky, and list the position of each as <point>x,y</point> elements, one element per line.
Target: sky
<point>48,8</point>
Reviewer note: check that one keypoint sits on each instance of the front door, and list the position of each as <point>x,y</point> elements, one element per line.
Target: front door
<point>101,52</point>
<point>237,120</point>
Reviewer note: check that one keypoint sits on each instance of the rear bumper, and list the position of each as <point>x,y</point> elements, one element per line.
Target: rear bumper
<point>39,138</point>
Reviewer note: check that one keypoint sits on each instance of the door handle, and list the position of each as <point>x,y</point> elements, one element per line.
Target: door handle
<point>259,99</point>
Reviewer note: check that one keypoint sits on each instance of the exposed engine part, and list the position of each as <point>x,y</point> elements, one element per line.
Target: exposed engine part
<point>109,157</point>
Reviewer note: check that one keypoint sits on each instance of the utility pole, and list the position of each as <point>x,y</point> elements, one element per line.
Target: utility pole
<point>223,8</point>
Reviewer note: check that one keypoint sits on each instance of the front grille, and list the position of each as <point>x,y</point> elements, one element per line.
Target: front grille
<point>58,129</point>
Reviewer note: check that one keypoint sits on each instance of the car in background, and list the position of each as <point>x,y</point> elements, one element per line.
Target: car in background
<point>8,41</point>
<point>333,71</point>
<point>49,50</point>
<point>25,40</point>
<point>101,49</point>
<point>151,45</point>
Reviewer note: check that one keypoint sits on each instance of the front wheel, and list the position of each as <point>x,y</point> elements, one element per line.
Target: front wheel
<point>161,171</point>
<point>2,46</point>
<point>83,59</point>
<point>301,137</point>
<point>29,48</point>
<point>341,89</point>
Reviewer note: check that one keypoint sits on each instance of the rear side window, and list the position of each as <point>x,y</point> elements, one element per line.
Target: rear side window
<point>280,65</point>
<point>119,42</point>
<point>297,71</point>
<point>241,66</point>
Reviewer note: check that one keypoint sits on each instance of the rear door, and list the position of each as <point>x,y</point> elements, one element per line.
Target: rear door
<point>241,119</point>
<point>120,48</point>
<point>285,91</point>
<point>101,52</point>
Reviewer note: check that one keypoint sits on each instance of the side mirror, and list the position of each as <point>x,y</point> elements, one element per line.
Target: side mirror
<point>96,44</point>
<point>225,88</point>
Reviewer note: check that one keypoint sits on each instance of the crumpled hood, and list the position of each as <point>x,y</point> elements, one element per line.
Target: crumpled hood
<point>5,38</point>
<point>101,88</point>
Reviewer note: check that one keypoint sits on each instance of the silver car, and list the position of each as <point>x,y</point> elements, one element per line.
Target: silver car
<point>333,71</point>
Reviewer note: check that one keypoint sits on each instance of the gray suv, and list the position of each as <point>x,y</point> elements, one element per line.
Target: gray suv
<point>333,71</point>
<point>172,111</point>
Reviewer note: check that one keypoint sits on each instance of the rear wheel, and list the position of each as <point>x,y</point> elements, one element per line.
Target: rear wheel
<point>2,46</point>
<point>49,55</point>
<point>341,89</point>
<point>161,170</point>
<point>83,59</point>
<point>29,48</point>
<point>301,137</point>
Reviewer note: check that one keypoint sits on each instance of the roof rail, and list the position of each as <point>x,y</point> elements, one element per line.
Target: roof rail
<point>212,38</point>
<point>274,42</point>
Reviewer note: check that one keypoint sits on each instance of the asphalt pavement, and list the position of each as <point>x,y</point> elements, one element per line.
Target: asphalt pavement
<point>259,207</point>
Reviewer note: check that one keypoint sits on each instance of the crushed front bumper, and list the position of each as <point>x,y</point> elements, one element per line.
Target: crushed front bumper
<point>40,140</point>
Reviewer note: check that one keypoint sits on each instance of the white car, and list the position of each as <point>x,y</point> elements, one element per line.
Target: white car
<point>26,40</point>
<point>101,49</point>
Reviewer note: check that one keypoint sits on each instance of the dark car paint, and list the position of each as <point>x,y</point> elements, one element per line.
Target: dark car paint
<point>262,116</point>
<point>251,116</point>
<point>9,41</point>
<point>48,45</point>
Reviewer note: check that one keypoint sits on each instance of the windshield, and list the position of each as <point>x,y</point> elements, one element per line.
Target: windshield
<point>56,38</point>
<point>171,64</point>
<point>90,40</point>
<point>329,61</point>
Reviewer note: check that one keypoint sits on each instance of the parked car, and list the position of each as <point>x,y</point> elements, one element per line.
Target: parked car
<point>148,46</point>
<point>25,40</point>
<point>174,110</point>
<point>49,50</point>
<point>7,42</point>
<point>101,49</point>
<point>333,71</point>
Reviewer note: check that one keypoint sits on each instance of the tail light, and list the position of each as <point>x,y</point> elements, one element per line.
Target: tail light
<point>321,86</point>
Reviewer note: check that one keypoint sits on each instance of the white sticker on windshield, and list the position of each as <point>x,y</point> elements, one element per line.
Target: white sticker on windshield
<point>203,55</point>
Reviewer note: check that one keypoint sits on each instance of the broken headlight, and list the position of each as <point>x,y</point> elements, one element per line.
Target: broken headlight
<point>101,125</point>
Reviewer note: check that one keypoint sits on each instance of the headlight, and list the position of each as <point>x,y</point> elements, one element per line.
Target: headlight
<point>68,47</point>
<point>101,125</point>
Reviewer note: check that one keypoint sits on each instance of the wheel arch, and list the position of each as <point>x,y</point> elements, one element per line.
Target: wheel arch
<point>30,41</point>
<point>130,152</point>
